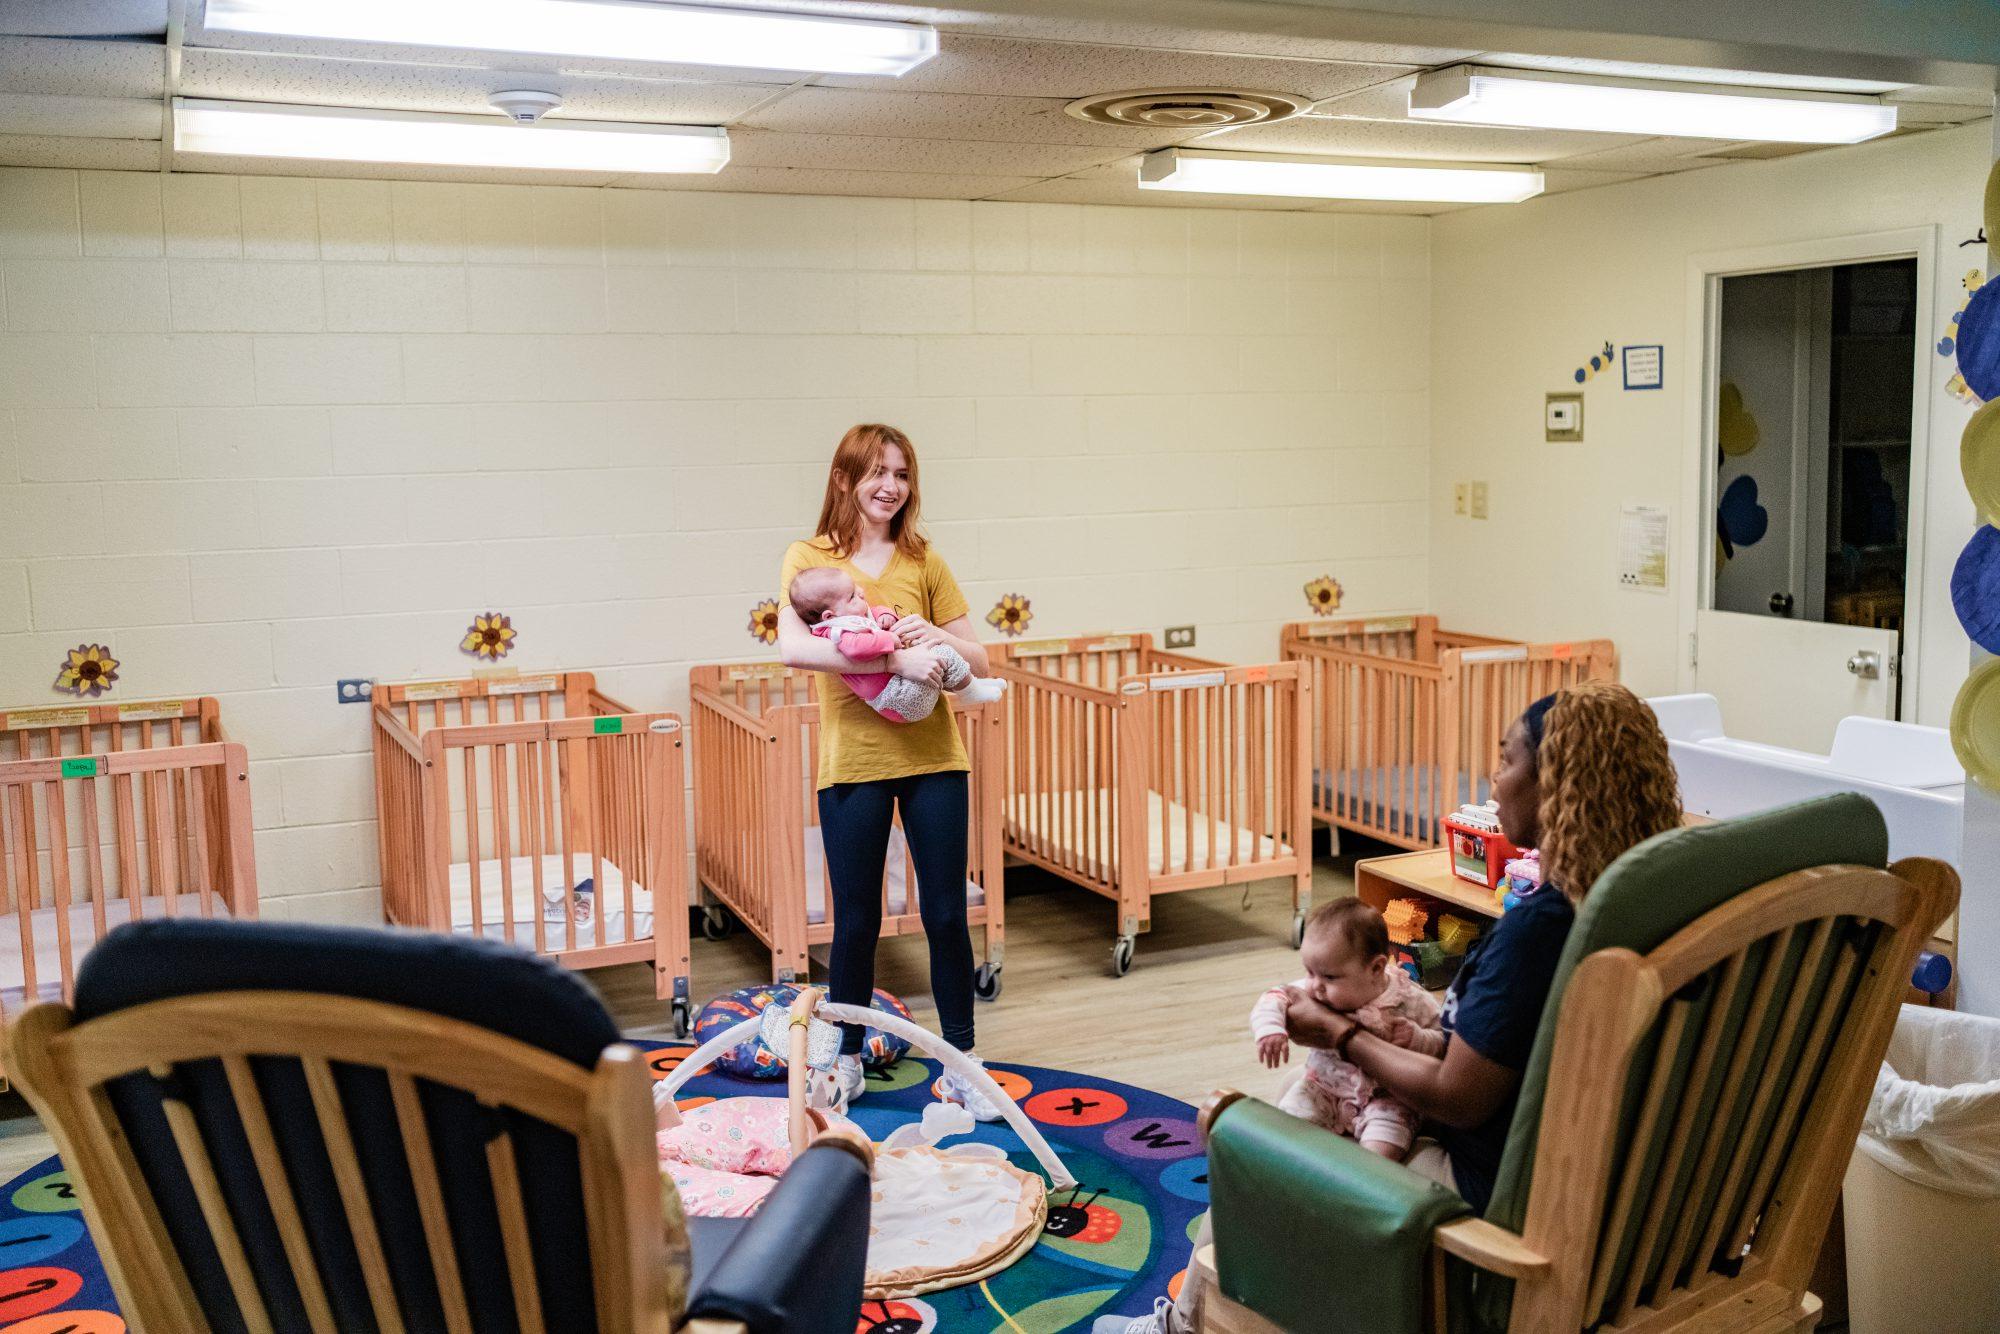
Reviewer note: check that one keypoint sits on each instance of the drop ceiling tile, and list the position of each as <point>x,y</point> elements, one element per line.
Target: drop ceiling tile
<point>64,67</point>
<point>1629,69</point>
<point>1099,190</point>
<point>80,117</point>
<point>42,150</point>
<point>380,171</point>
<point>1384,101</point>
<point>257,77</point>
<point>1016,68</point>
<point>1024,120</point>
<point>1563,180</point>
<point>1650,156</point>
<point>805,181</point>
<point>1181,37</point>
<point>1340,136</point>
<point>857,152</point>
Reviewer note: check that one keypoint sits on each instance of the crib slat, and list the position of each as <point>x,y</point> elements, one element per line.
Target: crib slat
<point>93,847</point>
<point>27,880</point>
<point>59,881</point>
<point>353,1188</point>
<point>278,1191</point>
<point>470,774</point>
<point>503,843</point>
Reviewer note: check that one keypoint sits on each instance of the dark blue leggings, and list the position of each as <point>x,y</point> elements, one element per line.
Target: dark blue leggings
<point>854,825</point>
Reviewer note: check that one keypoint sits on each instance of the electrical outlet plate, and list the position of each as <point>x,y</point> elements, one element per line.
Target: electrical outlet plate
<point>1479,500</point>
<point>1180,636</point>
<point>1458,504</point>
<point>350,690</point>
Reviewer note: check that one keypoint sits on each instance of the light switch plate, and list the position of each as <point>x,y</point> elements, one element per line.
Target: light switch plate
<point>1563,417</point>
<point>1180,636</point>
<point>1479,500</point>
<point>1458,498</point>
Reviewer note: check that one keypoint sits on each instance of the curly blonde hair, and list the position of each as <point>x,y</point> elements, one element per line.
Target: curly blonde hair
<point>1607,782</point>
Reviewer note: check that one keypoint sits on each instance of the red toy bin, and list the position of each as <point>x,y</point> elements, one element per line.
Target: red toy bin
<point>1478,854</point>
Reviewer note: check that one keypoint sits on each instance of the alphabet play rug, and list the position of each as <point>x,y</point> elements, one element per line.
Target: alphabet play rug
<point>1110,1246</point>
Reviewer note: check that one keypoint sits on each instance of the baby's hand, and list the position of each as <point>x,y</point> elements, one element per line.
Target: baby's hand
<point>1274,1050</point>
<point>1397,1029</point>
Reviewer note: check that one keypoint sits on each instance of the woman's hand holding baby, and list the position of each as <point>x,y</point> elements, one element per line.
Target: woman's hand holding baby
<point>916,632</point>
<point>1311,1024</point>
<point>1274,1049</point>
<point>918,664</point>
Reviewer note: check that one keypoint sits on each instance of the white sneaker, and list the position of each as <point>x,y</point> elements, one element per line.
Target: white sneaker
<point>850,1078</point>
<point>1156,1323</point>
<point>951,1087</point>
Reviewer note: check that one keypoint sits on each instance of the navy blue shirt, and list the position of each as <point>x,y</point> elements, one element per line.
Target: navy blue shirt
<point>1494,1006</point>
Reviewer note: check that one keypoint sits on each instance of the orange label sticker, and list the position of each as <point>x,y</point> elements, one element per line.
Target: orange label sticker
<point>1254,674</point>
<point>1562,650</point>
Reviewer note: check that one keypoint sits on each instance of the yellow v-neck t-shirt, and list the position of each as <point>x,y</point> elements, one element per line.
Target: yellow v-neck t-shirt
<point>857,744</point>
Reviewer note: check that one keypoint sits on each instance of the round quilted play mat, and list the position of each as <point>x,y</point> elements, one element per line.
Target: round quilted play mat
<point>1109,1247</point>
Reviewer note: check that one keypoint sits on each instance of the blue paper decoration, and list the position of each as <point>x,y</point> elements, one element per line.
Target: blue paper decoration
<point>1979,342</point>
<point>1975,589</point>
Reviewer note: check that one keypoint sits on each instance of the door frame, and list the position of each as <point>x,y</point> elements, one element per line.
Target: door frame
<point>1695,569</point>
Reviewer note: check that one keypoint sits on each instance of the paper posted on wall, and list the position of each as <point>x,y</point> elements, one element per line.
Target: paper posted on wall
<point>1642,548</point>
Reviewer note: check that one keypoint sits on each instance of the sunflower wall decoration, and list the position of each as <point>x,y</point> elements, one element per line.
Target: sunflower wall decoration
<point>764,621</point>
<point>1010,615</point>
<point>87,671</point>
<point>1323,595</point>
<point>490,637</point>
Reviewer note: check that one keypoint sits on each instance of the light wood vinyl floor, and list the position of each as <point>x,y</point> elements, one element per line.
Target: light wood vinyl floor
<point>1177,1023</point>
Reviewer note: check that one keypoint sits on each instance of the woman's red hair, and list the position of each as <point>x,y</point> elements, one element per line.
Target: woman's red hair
<point>854,461</point>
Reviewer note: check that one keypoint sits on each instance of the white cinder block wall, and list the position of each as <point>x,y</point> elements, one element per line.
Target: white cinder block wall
<point>260,433</point>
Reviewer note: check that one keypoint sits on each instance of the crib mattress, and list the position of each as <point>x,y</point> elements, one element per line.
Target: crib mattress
<point>1167,837</point>
<point>82,935</point>
<point>569,920</point>
<point>1378,796</point>
<point>896,880</point>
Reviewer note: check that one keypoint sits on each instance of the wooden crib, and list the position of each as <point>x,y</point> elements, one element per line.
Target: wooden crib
<point>1407,717</point>
<point>500,797</point>
<point>1135,772</point>
<point>111,812</point>
<point>756,819</point>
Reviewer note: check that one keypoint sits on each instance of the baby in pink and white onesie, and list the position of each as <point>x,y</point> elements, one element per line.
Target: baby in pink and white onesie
<point>829,603</point>
<point>1346,954</point>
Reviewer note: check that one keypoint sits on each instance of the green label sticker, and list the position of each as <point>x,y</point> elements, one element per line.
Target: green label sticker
<point>84,767</point>
<point>604,725</point>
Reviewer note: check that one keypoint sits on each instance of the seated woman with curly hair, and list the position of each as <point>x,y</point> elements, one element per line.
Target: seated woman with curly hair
<point>1584,776</point>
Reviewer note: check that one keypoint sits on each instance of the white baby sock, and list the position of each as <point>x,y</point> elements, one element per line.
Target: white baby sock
<point>982,690</point>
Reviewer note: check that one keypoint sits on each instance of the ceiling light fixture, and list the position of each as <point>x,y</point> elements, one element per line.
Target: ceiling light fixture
<point>350,134</point>
<point>602,29</point>
<point>1303,177</point>
<point>1478,95</point>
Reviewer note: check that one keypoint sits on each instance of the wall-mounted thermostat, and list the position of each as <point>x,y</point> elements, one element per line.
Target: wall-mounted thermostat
<point>1564,417</point>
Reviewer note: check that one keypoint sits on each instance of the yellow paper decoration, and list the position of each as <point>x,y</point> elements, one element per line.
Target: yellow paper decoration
<point>490,637</point>
<point>87,671</point>
<point>1979,461</point>
<point>1735,425</point>
<point>1010,615</point>
<point>764,621</point>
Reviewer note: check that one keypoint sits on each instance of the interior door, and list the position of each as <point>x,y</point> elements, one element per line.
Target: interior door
<point>1812,402</point>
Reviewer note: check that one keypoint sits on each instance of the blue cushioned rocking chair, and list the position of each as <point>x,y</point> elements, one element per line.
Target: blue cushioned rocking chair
<point>279,1127</point>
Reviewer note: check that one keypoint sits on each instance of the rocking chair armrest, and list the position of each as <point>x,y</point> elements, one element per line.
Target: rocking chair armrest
<point>798,1265</point>
<point>1494,1249</point>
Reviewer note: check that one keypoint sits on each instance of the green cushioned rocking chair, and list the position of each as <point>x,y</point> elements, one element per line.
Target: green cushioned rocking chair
<point>1694,1093</point>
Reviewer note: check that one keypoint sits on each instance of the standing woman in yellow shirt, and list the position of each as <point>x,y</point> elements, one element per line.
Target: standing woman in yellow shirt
<point>869,767</point>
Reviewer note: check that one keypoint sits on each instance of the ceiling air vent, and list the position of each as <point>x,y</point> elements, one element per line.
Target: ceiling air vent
<point>1186,108</point>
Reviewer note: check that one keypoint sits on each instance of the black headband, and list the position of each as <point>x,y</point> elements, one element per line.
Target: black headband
<point>1535,719</point>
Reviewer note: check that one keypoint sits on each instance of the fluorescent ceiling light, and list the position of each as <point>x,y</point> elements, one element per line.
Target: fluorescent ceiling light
<point>1484,96</point>
<point>1335,178</point>
<point>603,29</point>
<point>349,134</point>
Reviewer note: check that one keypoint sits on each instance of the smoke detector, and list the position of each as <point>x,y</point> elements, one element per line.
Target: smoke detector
<point>524,106</point>
<point>1186,108</point>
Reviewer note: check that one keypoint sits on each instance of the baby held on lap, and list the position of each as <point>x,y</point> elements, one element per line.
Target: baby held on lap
<point>828,602</point>
<point>1346,957</point>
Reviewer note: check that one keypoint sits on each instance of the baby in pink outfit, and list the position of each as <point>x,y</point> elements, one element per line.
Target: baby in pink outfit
<point>828,602</point>
<point>1346,955</point>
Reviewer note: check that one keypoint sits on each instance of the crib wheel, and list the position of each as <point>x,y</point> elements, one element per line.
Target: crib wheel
<point>1121,956</point>
<point>986,982</point>
<point>1298,929</point>
<point>714,922</point>
<point>683,1024</point>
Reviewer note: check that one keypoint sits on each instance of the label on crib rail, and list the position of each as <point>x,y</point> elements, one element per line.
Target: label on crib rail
<point>1518,653</point>
<point>1186,680</point>
<point>85,766</point>
<point>664,725</point>
<point>1324,629</point>
<point>1038,648</point>
<point>758,671</point>
<point>1111,644</point>
<point>524,685</point>
<point>421,690</point>
<point>151,710</point>
<point>22,719</point>
<point>1562,650</point>
<point>1391,625</point>
<point>607,726</point>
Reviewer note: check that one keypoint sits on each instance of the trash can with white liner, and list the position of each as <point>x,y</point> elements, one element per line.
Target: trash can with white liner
<point>1922,1202</point>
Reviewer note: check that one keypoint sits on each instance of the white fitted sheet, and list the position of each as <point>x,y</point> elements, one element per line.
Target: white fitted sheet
<point>1166,830</point>
<point>82,935</point>
<point>605,925</point>
<point>896,879</point>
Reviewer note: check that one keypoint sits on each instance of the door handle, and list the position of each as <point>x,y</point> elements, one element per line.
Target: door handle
<point>1866,664</point>
<point>1781,604</point>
